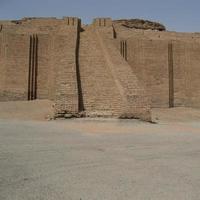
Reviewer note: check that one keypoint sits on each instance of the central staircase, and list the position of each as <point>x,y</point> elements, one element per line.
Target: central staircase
<point>100,94</point>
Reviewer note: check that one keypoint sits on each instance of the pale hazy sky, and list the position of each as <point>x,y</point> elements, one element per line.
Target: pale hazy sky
<point>178,15</point>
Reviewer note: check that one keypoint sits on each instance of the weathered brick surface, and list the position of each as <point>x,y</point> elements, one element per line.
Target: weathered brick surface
<point>186,67</point>
<point>149,60</point>
<point>101,96</point>
<point>110,71</point>
<point>135,100</point>
<point>123,32</point>
<point>41,25</point>
<point>2,65</point>
<point>14,66</point>
<point>64,61</point>
<point>171,80</point>
<point>102,22</point>
<point>43,66</point>
<point>54,58</point>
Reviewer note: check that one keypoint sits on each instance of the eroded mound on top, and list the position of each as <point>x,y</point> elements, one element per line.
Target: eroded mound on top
<point>141,24</point>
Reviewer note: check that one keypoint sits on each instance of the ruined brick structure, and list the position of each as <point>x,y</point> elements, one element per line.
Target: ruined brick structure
<point>102,69</point>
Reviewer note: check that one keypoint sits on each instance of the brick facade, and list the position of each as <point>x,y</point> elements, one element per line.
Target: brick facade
<point>98,70</point>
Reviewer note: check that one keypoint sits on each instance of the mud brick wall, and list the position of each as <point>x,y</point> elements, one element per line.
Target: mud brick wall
<point>14,66</point>
<point>2,65</point>
<point>186,67</point>
<point>124,33</point>
<point>39,56</point>
<point>44,66</point>
<point>101,96</point>
<point>52,70</point>
<point>102,22</point>
<point>40,25</point>
<point>64,61</point>
<point>135,100</point>
<point>149,60</point>
<point>161,66</point>
<point>72,21</point>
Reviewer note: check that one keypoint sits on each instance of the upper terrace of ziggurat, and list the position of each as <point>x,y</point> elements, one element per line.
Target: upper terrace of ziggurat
<point>106,69</point>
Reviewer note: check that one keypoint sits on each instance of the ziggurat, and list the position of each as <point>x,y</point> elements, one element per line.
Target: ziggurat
<point>98,70</point>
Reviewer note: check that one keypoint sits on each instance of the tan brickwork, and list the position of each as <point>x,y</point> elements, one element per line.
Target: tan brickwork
<point>149,60</point>
<point>101,96</point>
<point>102,22</point>
<point>164,61</point>
<point>14,65</point>
<point>186,67</point>
<point>53,61</point>
<point>135,100</point>
<point>64,61</point>
<point>98,70</point>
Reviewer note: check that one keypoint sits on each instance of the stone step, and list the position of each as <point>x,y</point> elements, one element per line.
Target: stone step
<point>98,86</point>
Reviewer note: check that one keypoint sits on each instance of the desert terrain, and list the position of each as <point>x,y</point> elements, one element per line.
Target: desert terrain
<point>98,158</point>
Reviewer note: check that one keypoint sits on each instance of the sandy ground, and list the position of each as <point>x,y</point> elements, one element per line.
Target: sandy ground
<point>26,110</point>
<point>43,110</point>
<point>99,159</point>
<point>174,115</point>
